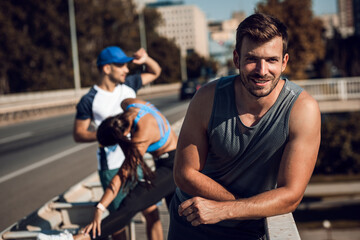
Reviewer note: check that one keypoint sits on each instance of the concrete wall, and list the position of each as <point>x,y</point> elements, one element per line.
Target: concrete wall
<point>27,106</point>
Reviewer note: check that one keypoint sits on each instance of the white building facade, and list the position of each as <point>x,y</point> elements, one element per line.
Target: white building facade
<point>187,26</point>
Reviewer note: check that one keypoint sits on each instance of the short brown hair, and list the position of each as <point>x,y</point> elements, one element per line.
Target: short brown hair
<point>260,27</point>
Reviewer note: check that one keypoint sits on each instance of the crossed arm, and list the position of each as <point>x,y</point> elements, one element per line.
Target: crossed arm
<point>213,203</point>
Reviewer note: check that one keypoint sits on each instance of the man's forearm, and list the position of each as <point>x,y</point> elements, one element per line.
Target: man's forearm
<point>197,184</point>
<point>153,66</point>
<point>199,210</point>
<point>270,203</point>
<point>85,137</point>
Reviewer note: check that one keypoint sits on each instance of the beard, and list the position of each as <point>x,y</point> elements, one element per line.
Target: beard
<point>259,91</point>
<point>115,80</point>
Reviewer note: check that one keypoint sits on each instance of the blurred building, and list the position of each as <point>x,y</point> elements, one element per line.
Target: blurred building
<point>223,36</point>
<point>142,3</point>
<point>346,17</point>
<point>185,24</point>
<point>331,23</point>
<point>224,31</point>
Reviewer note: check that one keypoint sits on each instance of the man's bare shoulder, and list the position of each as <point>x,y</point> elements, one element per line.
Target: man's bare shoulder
<point>205,94</point>
<point>200,107</point>
<point>305,113</point>
<point>306,102</point>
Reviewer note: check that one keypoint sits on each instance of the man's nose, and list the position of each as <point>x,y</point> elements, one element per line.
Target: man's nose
<point>261,67</point>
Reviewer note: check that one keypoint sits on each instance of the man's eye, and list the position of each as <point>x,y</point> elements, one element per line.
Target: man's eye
<point>251,59</point>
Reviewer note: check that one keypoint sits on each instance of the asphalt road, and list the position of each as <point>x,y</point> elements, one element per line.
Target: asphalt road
<point>40,160</point>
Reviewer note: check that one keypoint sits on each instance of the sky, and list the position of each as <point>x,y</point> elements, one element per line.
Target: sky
<point>222,9</point>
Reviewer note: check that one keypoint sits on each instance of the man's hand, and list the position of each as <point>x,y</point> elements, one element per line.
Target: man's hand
<point>140,56</point>
<point>199,210</point>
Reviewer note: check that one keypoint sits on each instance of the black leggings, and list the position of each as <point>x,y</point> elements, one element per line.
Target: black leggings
<point>142,197</point>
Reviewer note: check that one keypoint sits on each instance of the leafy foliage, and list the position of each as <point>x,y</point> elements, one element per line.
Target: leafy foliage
<point>34,48</point>
<point>35,42</point>
<point>165,51</point>
<point>340,144</point>
<point>345,55</point>
<point>305,33</point>
<point>200,67</point>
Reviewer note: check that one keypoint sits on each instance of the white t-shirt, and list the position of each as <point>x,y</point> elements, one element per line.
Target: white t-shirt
<point>99,104</point>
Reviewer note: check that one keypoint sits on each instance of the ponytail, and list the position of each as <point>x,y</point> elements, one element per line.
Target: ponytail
<point>111,132</point>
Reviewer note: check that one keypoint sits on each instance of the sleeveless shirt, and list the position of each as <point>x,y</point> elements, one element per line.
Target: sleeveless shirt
<point>245,160</point>
<point>148,108</point>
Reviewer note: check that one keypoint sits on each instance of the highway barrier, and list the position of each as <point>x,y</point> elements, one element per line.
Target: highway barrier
<point>26,106</point>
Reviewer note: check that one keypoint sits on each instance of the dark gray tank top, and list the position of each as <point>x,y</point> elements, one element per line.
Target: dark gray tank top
<point>246,159</point>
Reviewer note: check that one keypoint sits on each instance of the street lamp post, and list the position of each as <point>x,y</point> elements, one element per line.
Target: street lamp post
<point>74,47</point>
<point>183,65</point>
<point>142,29</point>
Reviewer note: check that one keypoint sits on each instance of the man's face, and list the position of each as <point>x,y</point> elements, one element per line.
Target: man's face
<point>117,72</point>
<point>260,65</point>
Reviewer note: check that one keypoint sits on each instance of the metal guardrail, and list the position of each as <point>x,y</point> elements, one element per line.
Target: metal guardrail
<point>332,88</point>
<point>320,89</point>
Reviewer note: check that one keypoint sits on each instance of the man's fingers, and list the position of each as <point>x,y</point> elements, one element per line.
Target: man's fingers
<point>191,217</point>
<point>195,222</point>
<point>184,206</point>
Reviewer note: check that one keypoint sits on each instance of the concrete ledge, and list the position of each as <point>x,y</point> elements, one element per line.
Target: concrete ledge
<point>281,227</point>
<point>28,106</point>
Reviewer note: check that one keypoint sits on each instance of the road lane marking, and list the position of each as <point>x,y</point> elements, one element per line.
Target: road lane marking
<point>45,161</point>
<point>15,137</point>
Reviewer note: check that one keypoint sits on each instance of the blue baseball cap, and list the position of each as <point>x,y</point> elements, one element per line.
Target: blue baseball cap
<point>112,54</point>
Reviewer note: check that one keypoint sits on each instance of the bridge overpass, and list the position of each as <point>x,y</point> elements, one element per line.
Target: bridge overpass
<point>334,94</point>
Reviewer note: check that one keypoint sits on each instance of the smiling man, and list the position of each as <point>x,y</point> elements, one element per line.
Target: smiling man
<point>248,144</point>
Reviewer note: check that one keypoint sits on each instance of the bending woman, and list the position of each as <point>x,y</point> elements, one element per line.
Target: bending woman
<point>149,132</point>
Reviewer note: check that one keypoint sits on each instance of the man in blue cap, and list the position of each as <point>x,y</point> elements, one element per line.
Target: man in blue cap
<point>103,100</point>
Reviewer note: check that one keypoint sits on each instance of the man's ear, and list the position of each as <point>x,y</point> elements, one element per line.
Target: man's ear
<point>284,62</point>
<point>107,68</point>
<point>236,59</point>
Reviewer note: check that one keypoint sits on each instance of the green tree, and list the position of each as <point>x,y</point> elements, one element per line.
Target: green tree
<point>194,65</point>
<point>305,33</point>
<point>33,47</point>
<point>200,67</point>
<point>35,42</point>
<point>340,145</point>
<point>165,51</point>
<point>102,26</point>
<point>344,53</point>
